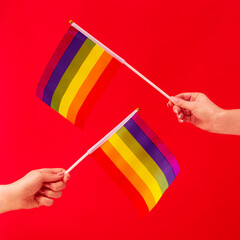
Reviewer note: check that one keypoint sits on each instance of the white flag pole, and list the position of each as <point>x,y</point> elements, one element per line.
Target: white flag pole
<point>148,81</point>
<point>103,140</point>
<point>119,58</point>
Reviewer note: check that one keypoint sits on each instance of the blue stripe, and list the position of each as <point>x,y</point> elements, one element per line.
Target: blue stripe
<point>151,149</point>
<point>62,66</point>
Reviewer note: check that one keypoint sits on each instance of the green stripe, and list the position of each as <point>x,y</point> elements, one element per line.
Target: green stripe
<point>71,71</point>
<point>143,156</point>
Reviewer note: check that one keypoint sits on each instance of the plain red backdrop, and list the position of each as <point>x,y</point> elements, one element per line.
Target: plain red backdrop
<point>181,46</point>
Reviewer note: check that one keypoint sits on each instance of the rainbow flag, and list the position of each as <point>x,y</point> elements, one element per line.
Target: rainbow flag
<point>76,76</point>
<point>139,162</point>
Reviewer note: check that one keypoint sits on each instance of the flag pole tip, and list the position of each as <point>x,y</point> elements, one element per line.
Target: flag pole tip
<point>138,109</point>
<point>71,21</point>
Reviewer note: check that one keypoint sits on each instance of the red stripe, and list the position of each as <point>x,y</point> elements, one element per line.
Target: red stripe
<point>124,184</point>
<point>96,92</point>
<point>57,55</point>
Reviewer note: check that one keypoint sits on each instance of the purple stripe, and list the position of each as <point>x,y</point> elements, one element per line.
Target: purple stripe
<point>158,143</point>
<point>62,66</point>
<point>63,45</point>
<point>151,149</point>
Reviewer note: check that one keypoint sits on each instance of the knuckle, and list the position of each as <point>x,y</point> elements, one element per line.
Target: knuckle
<point>58,194</point>
<point>48,193</point>
<point>54,187</point>
<point>196,94</point>
<point>58,170</point>
<point>38,175</point>
<point>49,202</point>
<point>180,103</point>
<point>53,194</point>
<point>45,192</point>
<point>58,186</point>
<point>61,185</point>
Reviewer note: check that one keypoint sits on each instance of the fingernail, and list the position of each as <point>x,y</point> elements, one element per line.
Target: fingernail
<point>180,120</point>
<point>176,111</point>
<point>60,174</point>
<point>175,100</point>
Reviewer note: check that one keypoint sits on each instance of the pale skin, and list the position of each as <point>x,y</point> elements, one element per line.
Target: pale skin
<point>198,109</point>
<point>37,188</point>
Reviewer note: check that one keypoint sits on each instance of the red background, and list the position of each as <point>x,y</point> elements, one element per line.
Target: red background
<point>181,46</point>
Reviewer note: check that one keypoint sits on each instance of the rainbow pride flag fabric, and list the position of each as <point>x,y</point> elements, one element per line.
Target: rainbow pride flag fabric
<point>139,162</point>
<point>76,76</point>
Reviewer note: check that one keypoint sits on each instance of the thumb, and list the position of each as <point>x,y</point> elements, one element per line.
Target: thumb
<point>51,176</point>
<point>182,103</point>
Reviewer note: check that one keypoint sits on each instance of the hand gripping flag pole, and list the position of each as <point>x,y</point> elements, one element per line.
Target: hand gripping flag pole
<point>119,59</point>
<point>103,140</point>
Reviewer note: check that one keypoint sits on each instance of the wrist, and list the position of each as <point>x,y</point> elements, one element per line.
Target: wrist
<point>4,199</point>
<point>220,121</point>
<point>8,198</point>
<point>229,122</point>
<point>215,121</point>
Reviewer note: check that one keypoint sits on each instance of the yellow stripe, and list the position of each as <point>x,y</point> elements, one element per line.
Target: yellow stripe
<point>137,165</point>
<point>129,173</point>
<point>78,79</point>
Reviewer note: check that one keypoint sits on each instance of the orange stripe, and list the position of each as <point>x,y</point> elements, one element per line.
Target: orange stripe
<point>129,173</point>
<point>121,181</point>
<point>88,85</point>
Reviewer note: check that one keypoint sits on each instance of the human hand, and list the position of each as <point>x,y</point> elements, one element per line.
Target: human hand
<point>198,109</point>
<point>37,188</point>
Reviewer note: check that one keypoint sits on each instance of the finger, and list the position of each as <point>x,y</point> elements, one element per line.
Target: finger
<point>66,177</point>
<point>44,201</point>
<point>186,112</point>
<point>187,119</point>
<point>182,103</point>
<point>185,96</point>
<point>180,120</point>
<point>51,170</point>
<point>51,175</point>
<point>50,194</point>
<point>59,171</point>
<point>170,104</point>
<point>180,116</point>
<point>56,186</point>
<point>177,109</point>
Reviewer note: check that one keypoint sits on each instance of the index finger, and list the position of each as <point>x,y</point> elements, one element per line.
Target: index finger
<point>185,96</point>
<point>51,170</point>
